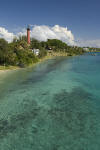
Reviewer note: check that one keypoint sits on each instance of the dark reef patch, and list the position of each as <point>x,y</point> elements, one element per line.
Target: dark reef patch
<point>76,113</point>
<point>18,121</point>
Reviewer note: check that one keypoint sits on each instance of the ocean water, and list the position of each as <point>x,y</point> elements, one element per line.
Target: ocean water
<point>53,106</point>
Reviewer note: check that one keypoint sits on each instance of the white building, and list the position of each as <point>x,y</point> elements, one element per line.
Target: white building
<point>86,49</point>
<point>36,51</point>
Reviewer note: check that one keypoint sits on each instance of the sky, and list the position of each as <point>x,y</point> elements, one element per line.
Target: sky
<point>72,21</point>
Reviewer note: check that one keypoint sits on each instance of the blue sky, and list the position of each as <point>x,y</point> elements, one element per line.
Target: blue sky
<point>80,16</point>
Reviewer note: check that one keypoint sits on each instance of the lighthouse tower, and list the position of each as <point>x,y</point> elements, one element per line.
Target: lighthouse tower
<point>28,35</point>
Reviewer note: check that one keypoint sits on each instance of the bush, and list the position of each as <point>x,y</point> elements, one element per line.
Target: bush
<point>43,52</point>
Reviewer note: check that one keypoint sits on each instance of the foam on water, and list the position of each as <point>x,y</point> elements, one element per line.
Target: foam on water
<point>54,106</point>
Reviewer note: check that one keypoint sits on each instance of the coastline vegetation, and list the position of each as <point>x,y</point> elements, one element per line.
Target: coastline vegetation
<point>19,54</point>
<point>92,49</point>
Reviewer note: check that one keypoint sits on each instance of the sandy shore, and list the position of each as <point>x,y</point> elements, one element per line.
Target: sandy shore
<point>3,71</point>
<point>7,69</point>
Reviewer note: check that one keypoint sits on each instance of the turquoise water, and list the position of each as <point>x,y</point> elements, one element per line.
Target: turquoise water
<point>53,106</point>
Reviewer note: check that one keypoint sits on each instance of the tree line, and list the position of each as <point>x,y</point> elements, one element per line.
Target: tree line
<point>19,53</point>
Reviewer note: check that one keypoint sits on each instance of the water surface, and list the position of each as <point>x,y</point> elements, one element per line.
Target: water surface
<point>53,106</point>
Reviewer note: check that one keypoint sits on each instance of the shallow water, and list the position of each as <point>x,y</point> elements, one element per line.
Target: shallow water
<point>53,106</point>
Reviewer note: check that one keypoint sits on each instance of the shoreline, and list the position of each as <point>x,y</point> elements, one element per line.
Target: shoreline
<point>4,69</point>
<point>12,68</point>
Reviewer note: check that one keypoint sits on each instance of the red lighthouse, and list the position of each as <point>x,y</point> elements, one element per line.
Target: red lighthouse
<point>28,35</point>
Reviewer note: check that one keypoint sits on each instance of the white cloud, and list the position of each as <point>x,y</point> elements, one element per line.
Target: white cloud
<point>6,35</point>
<point>23,32</point>
<point>43,32</point>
